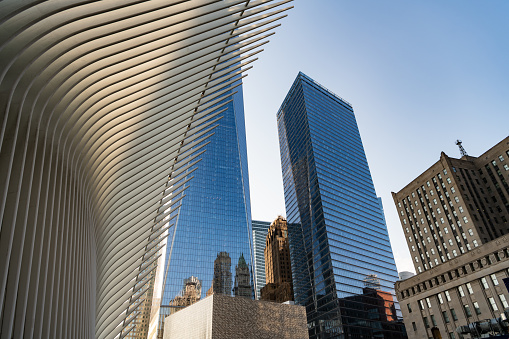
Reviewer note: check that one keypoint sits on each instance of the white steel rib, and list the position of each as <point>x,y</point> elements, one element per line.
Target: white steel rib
<point>104,110</point>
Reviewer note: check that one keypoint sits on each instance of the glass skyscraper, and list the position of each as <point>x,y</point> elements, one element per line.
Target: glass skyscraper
<point>213,227</point>
<point>260,230</point>
<point>343,267</point>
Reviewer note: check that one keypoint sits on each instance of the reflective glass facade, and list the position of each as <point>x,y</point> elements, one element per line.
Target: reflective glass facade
<point>260,230</point>
<point>213,227</point>
<point>343,267</point>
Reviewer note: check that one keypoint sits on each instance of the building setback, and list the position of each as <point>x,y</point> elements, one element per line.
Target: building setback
<point>336,226</point>
<point>455,206</point>
<point>260,230</point>
<point>278,271</point>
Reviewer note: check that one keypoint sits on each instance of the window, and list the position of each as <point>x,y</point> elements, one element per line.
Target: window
<point>421,304</point>
<point>450,242</point>
<point>470,232</point>
<point>460,209</point>
<point>447,296</point>
<point>446,317</point>
<point>503,300</point>
<point>485,283</point>
<point>440,299</point>
<point>494,163</point>
<point>433,321</point>
<point>501,158</point>
<point>454,253</point>
<point>435,201</point>
<point>475,243</point>
<point>454,316</point>
<point>460,289</point>
<point>494,279</point>
<point>428,302</point>
<point>506,167</point>
<point>409,308</point>
<point>453,190</point>
<point>448,180</point>
<point>493,304</point>
<point>451,335</point>
<point>445,230</point>
<point>414,326</point>
<point>426,322</point>
<point>465,220</point>
<point>476,308</point>
<point>467,311</point>
<point>469,288</point>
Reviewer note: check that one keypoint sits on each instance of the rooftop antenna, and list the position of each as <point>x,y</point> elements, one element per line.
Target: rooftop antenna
<point>462,150</point>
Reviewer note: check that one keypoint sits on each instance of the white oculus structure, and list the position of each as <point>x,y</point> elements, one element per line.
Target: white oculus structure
<point>102,104</point>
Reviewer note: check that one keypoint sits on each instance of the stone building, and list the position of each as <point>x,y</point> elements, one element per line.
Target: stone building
<point>190,294</point>
<point>455,206</point>
<point>278,270</point>
<point>242,279</point>
<point>222,283</point>
<point>455,219</point>
<point>466,289</point>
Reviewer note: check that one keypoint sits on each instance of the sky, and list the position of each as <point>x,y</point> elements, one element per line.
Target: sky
<point>419,74</point>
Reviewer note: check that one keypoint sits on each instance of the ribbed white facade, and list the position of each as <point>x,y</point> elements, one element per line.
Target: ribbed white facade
<point>102,104</point>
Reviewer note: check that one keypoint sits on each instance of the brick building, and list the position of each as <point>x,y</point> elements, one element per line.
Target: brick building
<point>278,270</point>
<point>455,219</point>
<point>455,206</point>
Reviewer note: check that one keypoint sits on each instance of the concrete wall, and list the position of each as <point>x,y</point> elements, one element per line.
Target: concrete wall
<point>223,317</point>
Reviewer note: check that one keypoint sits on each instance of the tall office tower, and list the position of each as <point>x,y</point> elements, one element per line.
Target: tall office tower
<point>213,227</point>
<point>242,287</point>
<point>455,206</point>
<point>336,226</point>
<point>222,280</point>
<point>141,320</point>
<point>260,230</point>
<point>278,271</point>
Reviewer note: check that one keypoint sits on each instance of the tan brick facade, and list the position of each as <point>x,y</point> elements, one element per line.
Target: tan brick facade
<point>455,206</point>
<point>466,289</point>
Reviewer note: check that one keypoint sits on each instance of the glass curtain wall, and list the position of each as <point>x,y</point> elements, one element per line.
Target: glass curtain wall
<point>213,227</point>
<point>260,230</point>
<point>342,262</point>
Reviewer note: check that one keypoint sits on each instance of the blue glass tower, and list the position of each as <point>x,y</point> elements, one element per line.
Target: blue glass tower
<point>260,230</point>
<point>343,267</point>
<point>213,227</point>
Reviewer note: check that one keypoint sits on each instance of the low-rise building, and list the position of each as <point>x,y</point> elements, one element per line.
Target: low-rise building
<point>225,317</point>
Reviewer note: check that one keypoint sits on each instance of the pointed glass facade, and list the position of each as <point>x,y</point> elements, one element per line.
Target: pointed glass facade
<point>213,228</point>
<point>343,267</point>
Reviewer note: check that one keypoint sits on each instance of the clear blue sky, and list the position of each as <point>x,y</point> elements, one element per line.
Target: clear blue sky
<point>419,74</point>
